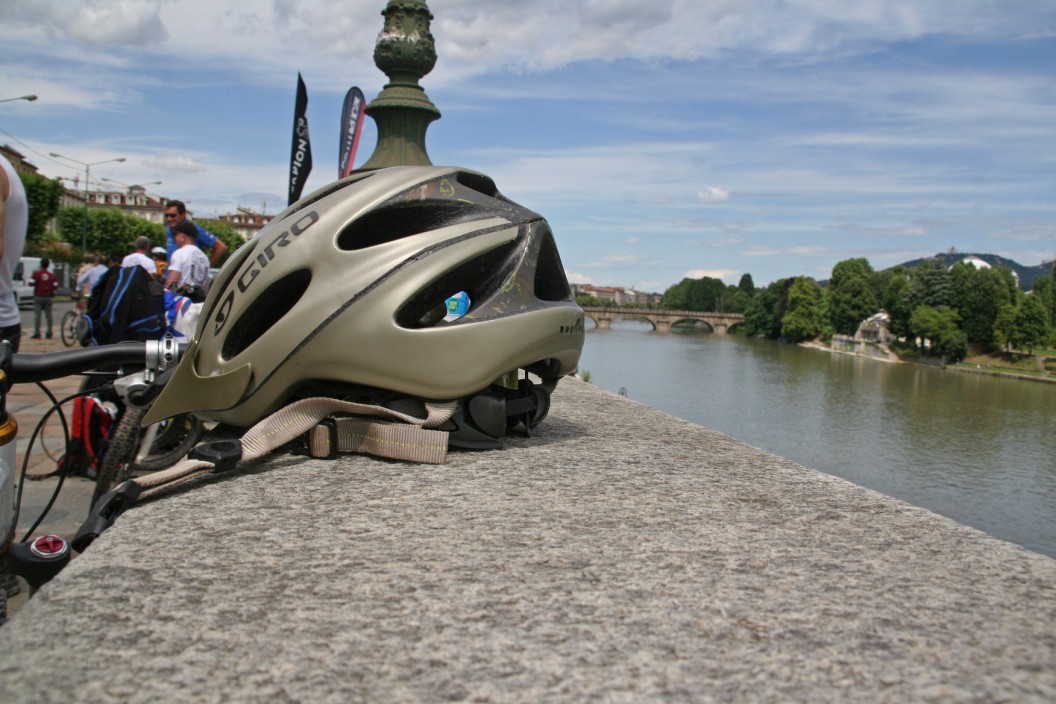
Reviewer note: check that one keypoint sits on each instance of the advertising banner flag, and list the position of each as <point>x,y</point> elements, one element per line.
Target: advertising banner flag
<point>351,124</point>
<point>301,151</point>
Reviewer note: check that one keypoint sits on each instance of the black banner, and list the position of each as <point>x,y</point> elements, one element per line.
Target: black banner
<point>351,124</point>
<point>301,151</point>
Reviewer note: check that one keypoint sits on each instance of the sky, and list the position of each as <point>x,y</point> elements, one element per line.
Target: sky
<point>662,139</point>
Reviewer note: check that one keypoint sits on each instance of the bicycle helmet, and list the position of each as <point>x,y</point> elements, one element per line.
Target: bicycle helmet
<point>345,290</point>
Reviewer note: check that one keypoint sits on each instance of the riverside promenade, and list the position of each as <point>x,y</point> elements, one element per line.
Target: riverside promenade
<point>620,555</point>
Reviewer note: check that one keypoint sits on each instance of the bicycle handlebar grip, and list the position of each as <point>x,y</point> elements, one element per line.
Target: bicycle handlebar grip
<point>23,367</point>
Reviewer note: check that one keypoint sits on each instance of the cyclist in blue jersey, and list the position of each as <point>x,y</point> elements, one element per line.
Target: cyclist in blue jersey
<point>176,213</point>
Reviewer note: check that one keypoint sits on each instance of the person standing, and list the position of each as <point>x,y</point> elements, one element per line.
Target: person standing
<point>14,218</point>
<point>44,284</point>
<point>188,266</point>
<point>161,262</point>
<point>90,277</point>
<point>140,257</point>
<point>175,214</point>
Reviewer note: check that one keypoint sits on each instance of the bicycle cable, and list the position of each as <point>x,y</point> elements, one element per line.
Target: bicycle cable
<point>61,472</point>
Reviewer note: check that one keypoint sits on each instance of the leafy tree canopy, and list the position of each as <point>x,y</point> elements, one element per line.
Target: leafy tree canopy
<point>802,321</point>
<point>43,196</point>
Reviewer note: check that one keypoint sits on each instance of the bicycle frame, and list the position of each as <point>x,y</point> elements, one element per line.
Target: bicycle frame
<point>40,559</point>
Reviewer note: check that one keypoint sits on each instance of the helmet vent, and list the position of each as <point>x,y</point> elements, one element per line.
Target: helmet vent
<point>404,220</point>
<point>551,284</point>
<point>479,183</point>
<point>479,278</point>
<point>268,309</point>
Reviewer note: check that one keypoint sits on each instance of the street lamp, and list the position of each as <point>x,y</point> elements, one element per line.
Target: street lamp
<point>150,183</point>
<point>87,167</point>
<point>30,98</point>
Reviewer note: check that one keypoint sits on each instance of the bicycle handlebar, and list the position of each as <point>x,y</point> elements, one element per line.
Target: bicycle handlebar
<point>23,368</point>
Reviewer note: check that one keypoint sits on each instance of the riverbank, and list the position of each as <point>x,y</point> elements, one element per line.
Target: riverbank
<point>999,364</point>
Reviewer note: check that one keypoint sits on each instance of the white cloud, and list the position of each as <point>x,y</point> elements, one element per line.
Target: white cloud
<point>713,194</point>
<point>727,275</point>
<point>173,162</point>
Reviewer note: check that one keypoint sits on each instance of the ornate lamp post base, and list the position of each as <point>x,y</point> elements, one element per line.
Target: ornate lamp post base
<point>405,52</point>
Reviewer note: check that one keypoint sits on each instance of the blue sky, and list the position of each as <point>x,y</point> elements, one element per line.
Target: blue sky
<point>662,139</point>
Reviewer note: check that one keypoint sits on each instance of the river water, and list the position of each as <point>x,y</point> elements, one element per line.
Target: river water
<point>979,449</point>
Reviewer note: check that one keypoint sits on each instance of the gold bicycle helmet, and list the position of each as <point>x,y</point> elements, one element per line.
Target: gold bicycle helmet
<point>345,291</point>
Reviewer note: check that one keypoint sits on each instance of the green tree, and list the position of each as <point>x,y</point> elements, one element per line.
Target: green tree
<point>929,285</point>
<point>802,320</point>
<point>706,294</point>
<point>893,285</point>
<point>736,300</point>
<point>978,296</point>
<point>763,317</point>
<point>43,196</point>
<point>110,231</point>
<point>746,285</point>
<point>1005,326</point>
<point>677,297</point>
<point>1045,292</point>
<point>850,301</point>
<point>940,327</point>
<point>1031,329</point>
<point>227,235</point>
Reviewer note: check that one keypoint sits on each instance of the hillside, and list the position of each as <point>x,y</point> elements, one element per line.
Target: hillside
<point>1026,274</point>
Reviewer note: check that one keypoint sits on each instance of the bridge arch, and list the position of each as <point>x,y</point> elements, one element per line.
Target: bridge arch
<point>662,320</point>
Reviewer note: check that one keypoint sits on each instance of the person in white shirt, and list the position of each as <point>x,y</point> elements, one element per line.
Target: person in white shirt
<point>140,256</point>
<point>189,268</point>
<point>14,217</point>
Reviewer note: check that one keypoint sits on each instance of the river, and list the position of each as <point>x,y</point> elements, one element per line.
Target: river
<point>979,449</point>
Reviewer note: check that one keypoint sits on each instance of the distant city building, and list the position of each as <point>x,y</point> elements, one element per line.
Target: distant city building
<point>135,200</point>
<point>617,294</point>
<point>18,160</point>
<point>247,222</point>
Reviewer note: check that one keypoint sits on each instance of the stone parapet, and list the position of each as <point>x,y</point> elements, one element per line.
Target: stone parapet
<point>619,555</point>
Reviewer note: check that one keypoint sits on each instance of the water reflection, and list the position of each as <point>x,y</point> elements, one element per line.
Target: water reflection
<point>978,449</point>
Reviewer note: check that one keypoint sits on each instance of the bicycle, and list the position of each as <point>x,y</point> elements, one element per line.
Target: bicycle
<point>39,560</point>
<point>69,327</point>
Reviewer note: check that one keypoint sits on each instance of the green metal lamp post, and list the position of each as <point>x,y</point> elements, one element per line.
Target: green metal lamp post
<point>402,111</point>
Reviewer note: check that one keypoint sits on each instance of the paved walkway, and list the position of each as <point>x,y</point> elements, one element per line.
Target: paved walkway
<point>620,555</point>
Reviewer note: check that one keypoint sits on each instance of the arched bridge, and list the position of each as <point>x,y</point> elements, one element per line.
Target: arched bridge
<point>662,320</point>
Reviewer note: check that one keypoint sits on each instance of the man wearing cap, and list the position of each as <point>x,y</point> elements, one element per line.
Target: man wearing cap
<point>176,214</point>
<point>188,267</point>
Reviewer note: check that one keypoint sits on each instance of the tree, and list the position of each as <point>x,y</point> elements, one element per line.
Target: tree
<point>763,317</point>
<point>850,301</point>
<point>703,294</point>
<point>979,295</point>
<point>1045,292</point>
<point>43,196</point>
<point>1031,329</point>
<point>894,286</point>
<point>929,286</point>
<point>110,231</point>
<point>226,233</point>
<point>677,297</point>
<point>939,326</point>
<point>1005,326</point>
<point>747,285</point>
<point>802,321</point>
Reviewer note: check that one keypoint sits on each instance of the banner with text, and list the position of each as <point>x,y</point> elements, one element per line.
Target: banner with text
<point>301,151</point>
<point>351,124</point>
